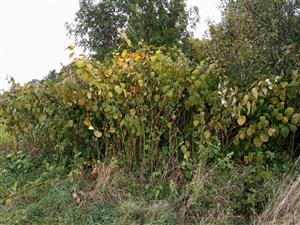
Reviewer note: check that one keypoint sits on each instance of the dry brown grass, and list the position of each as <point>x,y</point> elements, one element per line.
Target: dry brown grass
<point>210,200</point>
<point>285,208</point>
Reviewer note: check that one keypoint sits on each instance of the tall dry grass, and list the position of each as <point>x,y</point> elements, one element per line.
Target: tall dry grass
<point>285,208</point>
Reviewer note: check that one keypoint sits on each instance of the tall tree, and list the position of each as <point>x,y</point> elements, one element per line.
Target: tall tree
<point>96,24</point>
<point>257,38</point>
<point>156,22</point>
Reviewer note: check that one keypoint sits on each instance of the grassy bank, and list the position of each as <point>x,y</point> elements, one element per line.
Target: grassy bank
<point>44,194</point>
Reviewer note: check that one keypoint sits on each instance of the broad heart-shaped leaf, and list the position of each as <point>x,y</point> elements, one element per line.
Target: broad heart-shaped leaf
<point>289,111</point>
<point>241,120</point>
<point>207,134</point>
<point>295,118</point>
<point>97,134</point>
<point>293,128</point>
<point>242,134</point>
<point>118,89</point>
<point>236,140</point>
<point>80,63</point>
<point>132,112</point>
<point>264,121</point>
<point>250,131</point>
<point>264,137</point>
<point>284,131</point>
<point>257,142</point>
<point>271,131</point>
<point>87,122</point>
<point>285,120</point>
<point>196,123</point>
<point>89,95</point>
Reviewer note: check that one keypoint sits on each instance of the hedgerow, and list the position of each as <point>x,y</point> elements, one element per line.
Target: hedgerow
<point>147,106</point>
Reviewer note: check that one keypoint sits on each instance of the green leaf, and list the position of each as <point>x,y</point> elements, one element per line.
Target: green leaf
<point>264,137</point>
<point>295,118</point>
<point>207,134</point>
<point>293,128</point>
<point>236,140</point>
<point>71,55</point>
<point>242,134</point>
<point>284,131</point>
<point>132,112</point>
<point>289,111</point>
<point>71,47</point>
<point>118,90</point>
<point>257,142</point>
<point>250,132</point>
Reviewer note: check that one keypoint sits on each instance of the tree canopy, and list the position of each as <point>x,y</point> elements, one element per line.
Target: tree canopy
<point>257,38</point>
<point>155,22</point>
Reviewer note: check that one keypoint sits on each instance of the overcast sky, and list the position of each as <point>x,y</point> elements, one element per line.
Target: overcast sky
<point>33,36</point>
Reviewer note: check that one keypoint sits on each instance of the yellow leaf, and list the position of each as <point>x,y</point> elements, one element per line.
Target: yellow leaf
<point>236,140</point>
<point>136,56</point>
<point>124,53</point>
<point>242,134</point>
<point>248,108</point>
<point>118,89</point>
<point>87,122</point>
<point>196,123</point>
<point>271,131</point>
<point>112,130</point>
<point>89,95</point>
<point>80,63</point>
<point>98,134</point>
<point>289,111</point>
<point>295,118</point>
<point>8,201</point>
<point>207,134</point>
<point>141,83</point>
<point>81,101</point>
<point>241,120</point>
<point>264,138</point>
<point>246,99</point>
<point>132,112</point>
<point>254,93</point>
<point>110,94</point>
<point>169,125</point>
<point>285,120</point>
<point>257,142</point>
<point>128,42</point>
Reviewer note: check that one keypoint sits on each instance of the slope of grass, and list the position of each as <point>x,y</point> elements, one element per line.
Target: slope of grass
<point>45,195</point>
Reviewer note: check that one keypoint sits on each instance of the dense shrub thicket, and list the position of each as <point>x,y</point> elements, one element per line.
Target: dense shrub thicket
<point>149,109</point>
